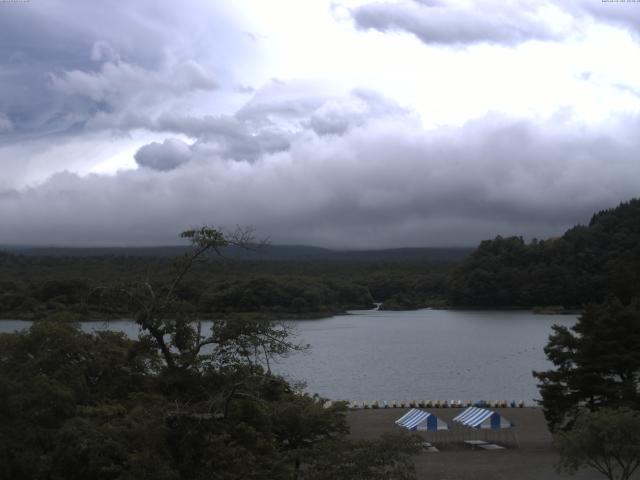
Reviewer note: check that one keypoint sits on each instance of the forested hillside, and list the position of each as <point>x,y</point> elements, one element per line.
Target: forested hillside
<point>586,264</point>
<point>41,286</point>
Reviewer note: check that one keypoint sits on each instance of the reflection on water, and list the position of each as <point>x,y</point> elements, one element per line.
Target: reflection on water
<point>424,354</point>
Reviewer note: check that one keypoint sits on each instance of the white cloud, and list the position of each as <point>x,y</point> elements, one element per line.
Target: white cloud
<point>336,117</point>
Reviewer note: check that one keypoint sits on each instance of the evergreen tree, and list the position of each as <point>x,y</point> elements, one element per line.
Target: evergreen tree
<point>597,363</point>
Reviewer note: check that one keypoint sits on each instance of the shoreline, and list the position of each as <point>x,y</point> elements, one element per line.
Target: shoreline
<point>24,317</point>
<point>292,316</point>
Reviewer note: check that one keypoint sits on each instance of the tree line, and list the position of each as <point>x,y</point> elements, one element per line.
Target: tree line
<point>587,264</point>
<point>46,287</point>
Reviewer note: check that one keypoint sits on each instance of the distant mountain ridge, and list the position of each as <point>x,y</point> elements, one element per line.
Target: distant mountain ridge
<point>265,253</point>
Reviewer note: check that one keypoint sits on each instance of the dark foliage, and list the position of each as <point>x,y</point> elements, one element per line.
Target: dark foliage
<point>596,363</point>
<point>283,294</point>
<point>607,441</point>
<point>38,287</point>
<point>76,405</point>
<point>588,263</point>
<point>177,403</point>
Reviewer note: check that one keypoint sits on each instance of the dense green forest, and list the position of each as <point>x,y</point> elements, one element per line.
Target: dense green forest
<point>587,264</point>
<point>37,286</point>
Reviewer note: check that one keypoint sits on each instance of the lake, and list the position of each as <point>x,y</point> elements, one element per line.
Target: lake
<point>424,354</point>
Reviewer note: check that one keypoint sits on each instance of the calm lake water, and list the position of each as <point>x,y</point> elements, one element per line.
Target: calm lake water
<point>424,354</point>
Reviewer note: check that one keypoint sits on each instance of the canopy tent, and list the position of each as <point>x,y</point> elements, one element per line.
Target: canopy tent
<point>421,420</point>
<point>475,417</point>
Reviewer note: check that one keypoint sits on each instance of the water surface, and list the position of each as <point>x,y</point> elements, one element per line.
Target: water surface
<point>423,354</point>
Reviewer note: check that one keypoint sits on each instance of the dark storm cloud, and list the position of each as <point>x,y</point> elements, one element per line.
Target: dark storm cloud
<point>454,23</point>
<point>163,156</point>
<point>64,61</point>
<point>70,69</point>
<point>385,183</point>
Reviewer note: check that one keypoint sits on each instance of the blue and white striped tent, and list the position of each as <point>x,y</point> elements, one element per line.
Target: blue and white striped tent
<point>475,417</point>
<point>421,420</point>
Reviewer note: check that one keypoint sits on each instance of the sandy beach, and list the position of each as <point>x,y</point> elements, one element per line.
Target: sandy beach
<point>534,457</point>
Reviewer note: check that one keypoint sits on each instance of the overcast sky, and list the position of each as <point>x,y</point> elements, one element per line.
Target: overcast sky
<point>345,123</point>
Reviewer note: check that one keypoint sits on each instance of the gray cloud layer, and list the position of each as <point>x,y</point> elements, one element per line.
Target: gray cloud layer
<point>5,123</point>
<point>626,14</point>
<point>163,156</point>
<point>70,70</point>
<point>118,80</point>
<point>274,117</point>
<point>442,22</point>
<point>450,23</point>
<point>64,61</point>
<point>383,183</point>
<point>298,162</point>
